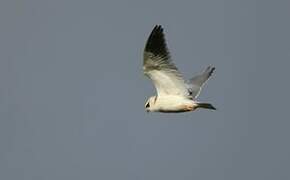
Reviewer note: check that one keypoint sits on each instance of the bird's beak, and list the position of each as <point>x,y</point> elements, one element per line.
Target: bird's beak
<point>147,110</point>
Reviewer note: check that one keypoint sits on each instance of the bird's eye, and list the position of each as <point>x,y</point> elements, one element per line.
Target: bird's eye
<point>147,105</point>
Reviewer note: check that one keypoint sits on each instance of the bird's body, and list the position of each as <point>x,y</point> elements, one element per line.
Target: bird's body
<point>171,103</point>
<point>173,93</point>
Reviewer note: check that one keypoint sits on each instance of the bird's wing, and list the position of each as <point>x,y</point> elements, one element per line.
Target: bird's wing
<point>158,66</point>
<point>196,83</point>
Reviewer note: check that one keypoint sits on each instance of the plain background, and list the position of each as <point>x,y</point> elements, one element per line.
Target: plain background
<point>73,92</point>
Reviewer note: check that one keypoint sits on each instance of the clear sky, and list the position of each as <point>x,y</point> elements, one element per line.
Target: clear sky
<point>72,90</point>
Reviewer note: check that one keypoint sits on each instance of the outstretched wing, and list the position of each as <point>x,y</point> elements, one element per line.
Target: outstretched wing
<point>158,66</point>
<point>196,83</point>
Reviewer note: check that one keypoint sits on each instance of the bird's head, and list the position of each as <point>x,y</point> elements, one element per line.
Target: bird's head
<point>150,104</point>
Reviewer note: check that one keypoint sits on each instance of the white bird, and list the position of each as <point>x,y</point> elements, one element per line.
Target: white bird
<point>173,93</point>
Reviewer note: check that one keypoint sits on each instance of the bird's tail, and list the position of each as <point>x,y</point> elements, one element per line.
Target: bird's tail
<point>205,106</point>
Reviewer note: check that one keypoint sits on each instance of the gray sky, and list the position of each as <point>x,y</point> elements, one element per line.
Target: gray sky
<point>72,91</point>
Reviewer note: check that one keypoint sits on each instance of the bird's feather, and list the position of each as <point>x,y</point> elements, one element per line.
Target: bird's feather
<point>158,66</point>
<point>196,83</point>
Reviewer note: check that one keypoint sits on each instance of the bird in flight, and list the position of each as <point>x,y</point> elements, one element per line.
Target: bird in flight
<point>174,94</point>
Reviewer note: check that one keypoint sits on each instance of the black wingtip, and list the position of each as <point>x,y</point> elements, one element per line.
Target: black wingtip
<point>156,43</point>
<point>209,70</point>
<point>157,28</point>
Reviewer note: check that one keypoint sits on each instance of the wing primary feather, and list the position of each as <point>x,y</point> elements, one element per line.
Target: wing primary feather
<point>156,53</point>
<point>156,43</point>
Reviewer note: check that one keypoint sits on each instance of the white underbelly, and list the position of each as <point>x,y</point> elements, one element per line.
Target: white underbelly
<point>172,103</point>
